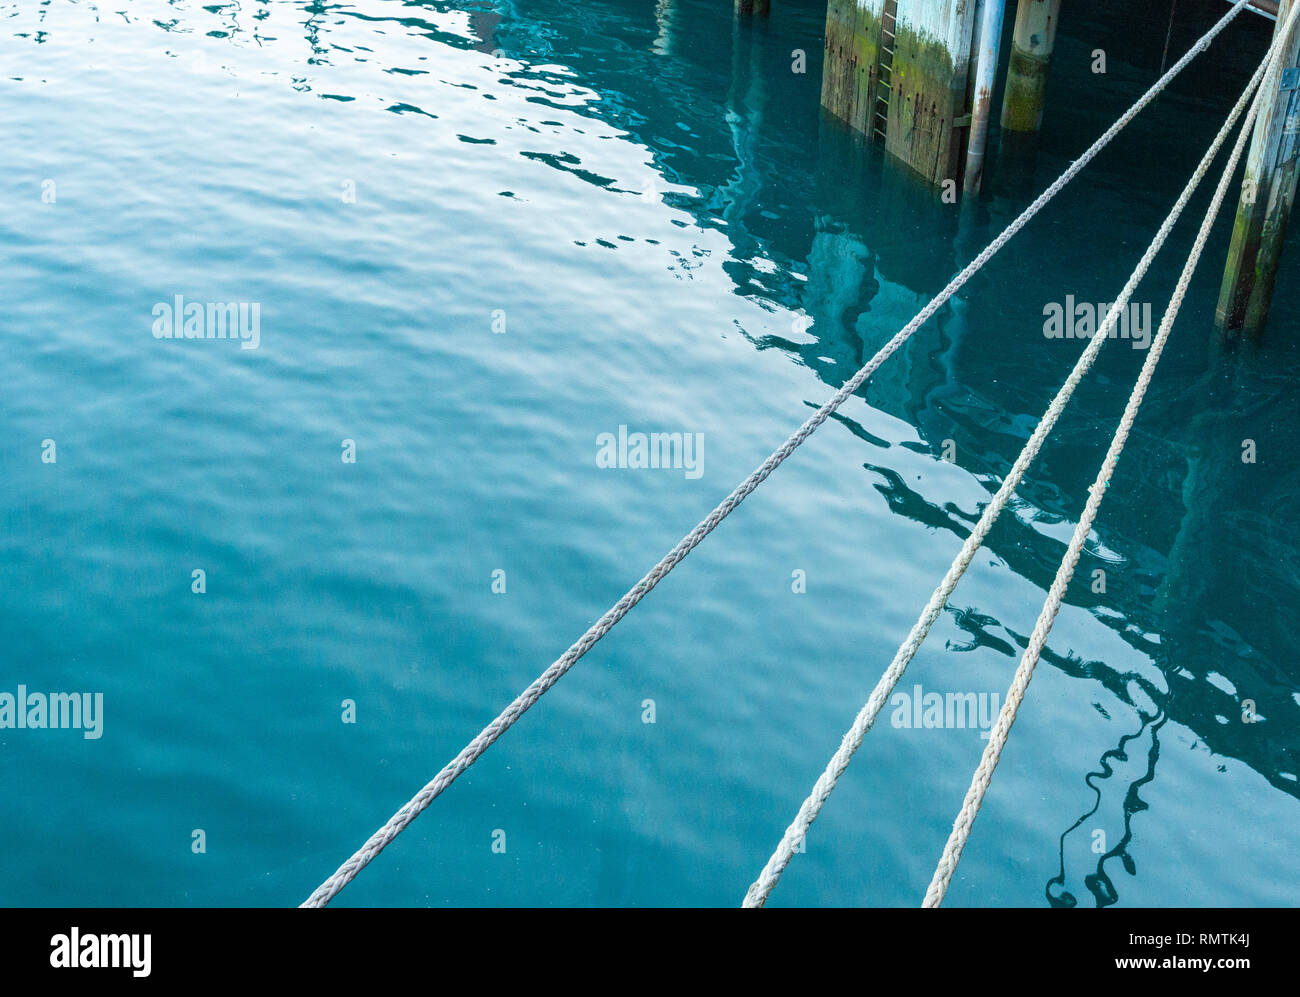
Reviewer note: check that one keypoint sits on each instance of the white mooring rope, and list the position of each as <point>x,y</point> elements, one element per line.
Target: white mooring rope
<point>378,841</point>
<point>970,808</point>
<point>785,851</point>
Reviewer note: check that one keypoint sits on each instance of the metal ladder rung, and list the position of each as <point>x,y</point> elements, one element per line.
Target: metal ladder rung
<point>885,63</point>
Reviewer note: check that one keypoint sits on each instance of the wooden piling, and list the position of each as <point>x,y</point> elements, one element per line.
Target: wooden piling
<point>1267,193</point>
<point>1031,55</point>
<point>930,69</point>
<point>850,70</point>
<point>749,8</point>
<point>898,70</point>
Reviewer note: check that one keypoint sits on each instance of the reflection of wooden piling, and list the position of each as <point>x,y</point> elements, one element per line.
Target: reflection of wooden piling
<point>745,102</point>
<point>665,22</point>
<point>1267,193</point>
<point>1031,55</point>
<point>751,7</point>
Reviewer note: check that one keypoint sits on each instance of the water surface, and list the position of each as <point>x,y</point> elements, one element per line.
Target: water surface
<point>649,202</point>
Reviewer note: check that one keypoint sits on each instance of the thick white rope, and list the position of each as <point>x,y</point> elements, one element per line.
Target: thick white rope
<point>507,718</point>
<point>1056,594</point>
<point>767,879</point>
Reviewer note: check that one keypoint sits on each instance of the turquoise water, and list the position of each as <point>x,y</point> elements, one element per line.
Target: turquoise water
<point>647,200</point>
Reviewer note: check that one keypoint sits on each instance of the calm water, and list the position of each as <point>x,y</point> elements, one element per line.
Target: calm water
<point>648,201</point>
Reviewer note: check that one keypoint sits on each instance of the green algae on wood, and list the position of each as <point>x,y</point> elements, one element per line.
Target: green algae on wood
<point>1268,192</point>
<point>928,101</point>
<point>852,61</point>
<point>928,77</point>
<point>1031,55</point>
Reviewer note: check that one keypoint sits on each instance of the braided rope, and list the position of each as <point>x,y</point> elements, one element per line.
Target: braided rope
<point>378,841</point>
<point>970,808</point>
<point>767,879</point>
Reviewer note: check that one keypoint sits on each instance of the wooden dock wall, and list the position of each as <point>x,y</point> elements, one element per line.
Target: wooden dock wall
<point>931,65</point>
<point>852,67</point>
<point>926,76</point>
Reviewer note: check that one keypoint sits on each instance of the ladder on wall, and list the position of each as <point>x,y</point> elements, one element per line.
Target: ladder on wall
<point>884,87</point>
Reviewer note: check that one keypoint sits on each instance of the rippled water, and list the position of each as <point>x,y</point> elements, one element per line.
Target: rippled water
<point>648,201</point>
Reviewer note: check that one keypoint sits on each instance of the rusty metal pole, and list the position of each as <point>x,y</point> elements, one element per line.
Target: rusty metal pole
<point>1267,192</point>
<point>986,74</point>
<point>1031,55</point>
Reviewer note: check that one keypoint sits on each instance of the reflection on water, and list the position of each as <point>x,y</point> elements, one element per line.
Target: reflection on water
<point>1098,883</point>
<point>831,249</point>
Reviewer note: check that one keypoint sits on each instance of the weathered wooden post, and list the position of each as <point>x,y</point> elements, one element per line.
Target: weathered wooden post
<point>1031,55</point>
<point>898,70</point>
<point>1267,193</point>
<point>986,74</point>
<point>850,71</point>
<point>929,69</point>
